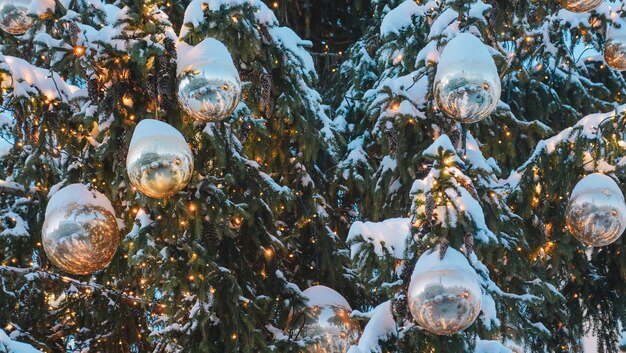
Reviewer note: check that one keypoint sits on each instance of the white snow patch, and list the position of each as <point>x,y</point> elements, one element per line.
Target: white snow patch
<point>390,234</point>
<point>380,326</point>
<point>79,194</point>
<point>491,347</point>
<point>596,181</point>
<point>323,296</point>
<point>10,346</point>
<point>209,50</point>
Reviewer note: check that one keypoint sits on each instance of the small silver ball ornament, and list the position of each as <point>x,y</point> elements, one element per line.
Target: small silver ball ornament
<point>326,325</point>
<point>208,91</point>
<point>14,17</point>
<point>596,212</point>
<point>79,237</point>
<point>444,295</point>
<point>580,6</point>
<point>467,86</point>
<point>159,161</point>
<point>615,46</point>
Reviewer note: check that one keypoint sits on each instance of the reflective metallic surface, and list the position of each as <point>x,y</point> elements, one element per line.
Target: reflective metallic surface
<point>615,54</point>
<point>14,16</point>
<point>468,93</point>
<point>80,239</point>
<point>596,217</point>
<point>329,329</point>
<point>159,166</point>
<point>445,301</point>
<point>208,91</point>
<point>580,5</point>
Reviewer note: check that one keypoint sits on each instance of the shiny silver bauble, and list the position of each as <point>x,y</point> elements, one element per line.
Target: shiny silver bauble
<point>580,5</point>
<point>159,161</point>
<point>326,326</point>
<point>79,237</point>
<point>208,91</point>
<point>14,17</point>
<point>596,212</point>
<point>444,295</point>
<point>467,86</point>
<point>615,47</point>
<point>615,55</point>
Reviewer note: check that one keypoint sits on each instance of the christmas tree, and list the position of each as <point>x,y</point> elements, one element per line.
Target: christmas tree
<point>497,190</point>
<point>209,268</point>
<point>175,177</point>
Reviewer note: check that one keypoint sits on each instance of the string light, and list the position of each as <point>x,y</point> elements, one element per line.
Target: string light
<point>79,50</point>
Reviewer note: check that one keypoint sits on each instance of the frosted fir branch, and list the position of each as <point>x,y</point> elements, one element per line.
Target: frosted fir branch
<point>13,188</point>
<point>27,80</point>
<point>34,274</point>
<point>9,345</point>
<point>589,127</point>
<point>504,111</point>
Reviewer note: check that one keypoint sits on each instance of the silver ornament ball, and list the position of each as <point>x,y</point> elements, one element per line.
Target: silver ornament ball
<point>596,212</point>
<point>580,5</point>
<point>615,47</point>
<point>444,296</point>
<point>615,54</point>
<point>79,235</point>
<point>467,86</point>
<point>326,325</point>
<point>14,17</point>
<point>208,91</point>
<point>159,161</point>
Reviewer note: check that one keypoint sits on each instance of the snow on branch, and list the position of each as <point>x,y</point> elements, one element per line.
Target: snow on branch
<point>381,326</point>
<point>194,14</point>
<point>11,346</point>
<point>390,235</point>
<point>27,80</point>
<point>589,128</point>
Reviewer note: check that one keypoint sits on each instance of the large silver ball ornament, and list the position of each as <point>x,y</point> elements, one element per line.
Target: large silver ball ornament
<point>467,86</point>
<point>615,47</point>
<point>80,233</point>
<point>326,326</point>
<point>596,212</point>
<point>159,161</point>
<point>580,5</point>
<point>208,91</point>
<point>14,17</point>
<point>444,295</point>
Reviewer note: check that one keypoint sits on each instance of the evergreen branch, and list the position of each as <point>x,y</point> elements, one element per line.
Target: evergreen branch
<point>60,281</point>
<point>11,188</point>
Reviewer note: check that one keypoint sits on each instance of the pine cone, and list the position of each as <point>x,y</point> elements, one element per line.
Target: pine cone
<point>93,89</point>
<point>400,308</point>
<point>455,135</point>
<point>392,137</point>
<point>443,248</point>
<point>166,75</point>
<point>245,129</point>
<point>170,47</point>
<point>265,34</point>
<point>265,84</point>
<point>121,152</point>
<point>400,305</point>
<point>74,33</point>
<point>209,233</point>
<point>471,190</point>
<point>469,244</point>
<point>430,208</point>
